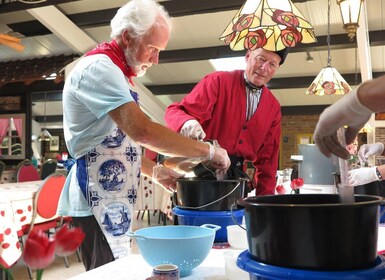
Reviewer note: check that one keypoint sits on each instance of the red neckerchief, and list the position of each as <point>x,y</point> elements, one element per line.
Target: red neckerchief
<point>115,53</point>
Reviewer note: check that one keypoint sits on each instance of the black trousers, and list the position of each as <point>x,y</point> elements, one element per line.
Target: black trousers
<point>95,249</point>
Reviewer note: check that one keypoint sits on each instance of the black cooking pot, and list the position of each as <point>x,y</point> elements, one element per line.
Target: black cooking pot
<point>312,231</point>
<point>209,194</point>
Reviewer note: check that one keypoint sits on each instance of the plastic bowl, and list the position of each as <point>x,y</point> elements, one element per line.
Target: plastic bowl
<point>184,246</point>
<point>237,236</point>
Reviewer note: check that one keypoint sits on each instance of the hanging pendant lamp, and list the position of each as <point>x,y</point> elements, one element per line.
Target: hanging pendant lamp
<point>270,24</point>
<point>329,80</point>
<point>44,134</point>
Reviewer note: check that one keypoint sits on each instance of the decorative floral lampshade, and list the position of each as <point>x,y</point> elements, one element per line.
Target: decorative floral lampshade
<point>269,24</point>
<point>328,81</point>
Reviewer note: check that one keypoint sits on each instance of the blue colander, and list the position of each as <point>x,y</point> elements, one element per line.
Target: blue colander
<point>184,246</point>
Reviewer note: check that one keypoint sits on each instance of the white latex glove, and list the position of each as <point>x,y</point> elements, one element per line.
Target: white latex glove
<point>165,177</point>
<point>346,111</point>
<point>192,129</point>
<point>368,150</point>
<point>219,160</point>
<point>362,176</point>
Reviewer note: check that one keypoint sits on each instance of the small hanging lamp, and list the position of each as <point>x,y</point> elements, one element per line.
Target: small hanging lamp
<point>328,81</point>
<point>270,24</point>
<point>44,134</point>
<point>350,12</point>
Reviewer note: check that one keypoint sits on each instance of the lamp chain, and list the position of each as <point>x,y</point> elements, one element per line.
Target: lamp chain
<point>328,36</point>
<point>45,110</point>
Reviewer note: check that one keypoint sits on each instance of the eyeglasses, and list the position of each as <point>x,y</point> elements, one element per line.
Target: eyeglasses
<point>261,60</point>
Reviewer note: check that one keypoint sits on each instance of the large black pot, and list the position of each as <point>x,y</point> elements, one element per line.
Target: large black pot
<point>312,231</point>
<point>209,194</point>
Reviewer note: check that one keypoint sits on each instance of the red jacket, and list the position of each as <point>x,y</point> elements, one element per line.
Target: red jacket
<point>218,103</point>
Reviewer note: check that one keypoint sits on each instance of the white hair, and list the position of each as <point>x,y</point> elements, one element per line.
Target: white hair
<point>138,16</point>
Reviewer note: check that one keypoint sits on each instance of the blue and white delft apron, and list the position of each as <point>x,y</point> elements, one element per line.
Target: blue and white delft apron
<point>109,177</point>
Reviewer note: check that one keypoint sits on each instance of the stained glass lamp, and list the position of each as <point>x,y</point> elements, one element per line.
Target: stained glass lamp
<point>269,24</point>
<point>329,80</point>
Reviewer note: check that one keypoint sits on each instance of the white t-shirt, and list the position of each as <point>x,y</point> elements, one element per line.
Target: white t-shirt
<point>94,87</point>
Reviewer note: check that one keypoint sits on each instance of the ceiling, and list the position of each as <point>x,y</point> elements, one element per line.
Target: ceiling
<point>70,28</point>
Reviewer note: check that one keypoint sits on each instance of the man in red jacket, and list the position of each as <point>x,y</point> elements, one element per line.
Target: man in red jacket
<point>237,109</point>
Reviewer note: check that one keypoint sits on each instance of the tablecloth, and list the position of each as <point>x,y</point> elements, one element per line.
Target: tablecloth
<point>16,208</point>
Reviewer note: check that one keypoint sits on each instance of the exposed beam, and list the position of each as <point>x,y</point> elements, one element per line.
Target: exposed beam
<point>176,8</point>
<point>19,6</point>
<point>340,41</point>
<point>275,83</point>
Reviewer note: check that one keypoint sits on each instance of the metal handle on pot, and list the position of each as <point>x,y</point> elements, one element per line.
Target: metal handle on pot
<point>234,219</point>
<point>208,204</point>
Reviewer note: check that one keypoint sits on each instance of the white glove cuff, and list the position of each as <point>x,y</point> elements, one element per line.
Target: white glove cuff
<point>212,151</point>
<point>355,104</point>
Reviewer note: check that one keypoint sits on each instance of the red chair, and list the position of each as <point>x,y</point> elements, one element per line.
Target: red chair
<point>27,172</point>
<point>45,206</point>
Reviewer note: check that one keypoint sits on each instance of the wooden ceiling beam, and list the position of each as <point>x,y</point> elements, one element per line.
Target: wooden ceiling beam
<point>175,8</point>
<point>275,83</point>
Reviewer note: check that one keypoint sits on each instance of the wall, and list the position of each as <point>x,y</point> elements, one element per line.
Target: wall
<point>292,126</point>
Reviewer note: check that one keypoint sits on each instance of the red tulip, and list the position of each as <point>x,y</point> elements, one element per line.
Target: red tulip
<point>68,240</point>
<point>39,251</point>
<point>280,189</point>
<point>296,183</point>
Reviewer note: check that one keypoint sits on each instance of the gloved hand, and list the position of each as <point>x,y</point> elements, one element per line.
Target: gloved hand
<point>368,150</point>
<point>192,129</point>
<point>346,111</point>
<point>219,160</point>
<point>362,176</point>
<point>165,177</point>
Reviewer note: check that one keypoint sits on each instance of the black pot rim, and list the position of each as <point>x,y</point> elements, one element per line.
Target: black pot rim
<point>197,179</point>
<point>246,203</point>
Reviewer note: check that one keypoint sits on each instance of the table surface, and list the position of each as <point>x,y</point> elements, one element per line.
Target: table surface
<point>134,267</point>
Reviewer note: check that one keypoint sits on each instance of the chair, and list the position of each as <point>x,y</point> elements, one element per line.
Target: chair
<point>44,208</point>
<point>2,167</point>
<point>47,168</point>
<point>27,172</point>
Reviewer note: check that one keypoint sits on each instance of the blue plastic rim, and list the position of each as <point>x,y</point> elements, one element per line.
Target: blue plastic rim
<point>220,218</point>
<point>261,271</point>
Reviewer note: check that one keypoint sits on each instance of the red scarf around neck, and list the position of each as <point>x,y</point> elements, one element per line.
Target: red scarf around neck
<point>115,53</point>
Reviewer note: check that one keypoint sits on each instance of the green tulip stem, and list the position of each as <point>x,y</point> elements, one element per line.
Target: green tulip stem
<point>39,274</point>
<point>7,272</point>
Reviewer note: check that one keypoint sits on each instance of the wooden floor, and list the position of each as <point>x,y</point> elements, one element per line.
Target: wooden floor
<point>58,271</point>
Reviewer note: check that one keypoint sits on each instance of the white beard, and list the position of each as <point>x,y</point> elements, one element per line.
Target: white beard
<point>131,61</point>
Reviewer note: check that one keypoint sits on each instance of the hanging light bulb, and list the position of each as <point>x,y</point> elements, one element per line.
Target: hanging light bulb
<point>44,134</point>
<point>329,80</point>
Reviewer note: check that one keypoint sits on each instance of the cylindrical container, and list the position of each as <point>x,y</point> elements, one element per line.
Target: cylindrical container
<point>262,271</point>
<point>233,272</point>
<point>166,271</point>
<point>373,188</point>
<point>313,231</point>
<point>220,218</point>
<point>209,194</point>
